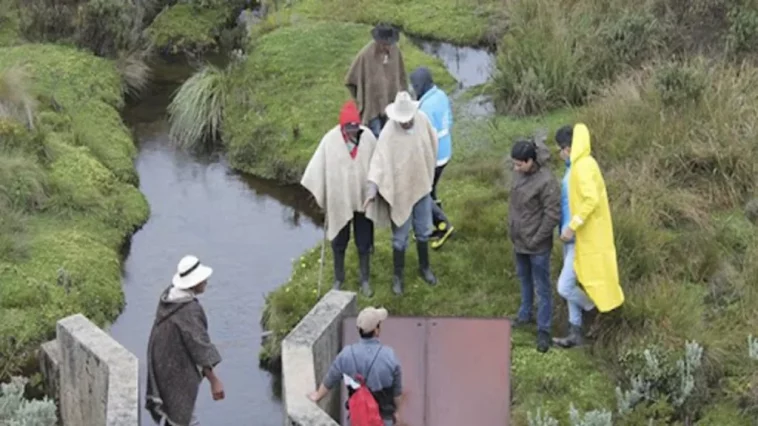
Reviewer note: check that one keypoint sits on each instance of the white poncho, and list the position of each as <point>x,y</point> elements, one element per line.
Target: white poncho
<point>338,182</point>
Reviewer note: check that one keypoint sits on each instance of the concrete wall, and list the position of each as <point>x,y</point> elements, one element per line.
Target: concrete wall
<point>307,353</point>
<point>94,378</point>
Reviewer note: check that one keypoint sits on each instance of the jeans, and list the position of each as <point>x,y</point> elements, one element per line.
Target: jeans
<point>193,421</point>
<point>438,216</point>
<point>534,270</point>
<point>576,298</point>
<point>421,219</point>
<point>376,125</point>
<point>364,235</point>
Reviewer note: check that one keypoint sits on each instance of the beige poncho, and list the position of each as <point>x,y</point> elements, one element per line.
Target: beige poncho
<point>403,165</point>
<point>374,84</point>
<point>338,182</point>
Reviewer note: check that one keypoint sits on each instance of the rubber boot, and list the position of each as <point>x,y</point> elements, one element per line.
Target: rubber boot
<point>339,269</point>
<point>423,263</point>
<point>574,338</point>
<point>543,341</point>
<point>398,258</point>
<point>365,262</point>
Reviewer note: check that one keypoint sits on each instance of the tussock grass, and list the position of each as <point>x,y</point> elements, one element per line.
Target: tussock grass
<point>197,108</point>
<point>134,71</point>
<point>16,101</point>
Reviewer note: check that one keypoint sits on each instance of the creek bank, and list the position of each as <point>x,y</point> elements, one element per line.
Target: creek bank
<point>76,198</point>
<point>246,228</point>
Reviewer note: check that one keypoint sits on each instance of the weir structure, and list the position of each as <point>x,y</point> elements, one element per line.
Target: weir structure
<point>455,370</point>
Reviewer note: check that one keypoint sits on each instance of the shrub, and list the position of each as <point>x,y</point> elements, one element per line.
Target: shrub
<point>134,72</point>
<point>15,410</point>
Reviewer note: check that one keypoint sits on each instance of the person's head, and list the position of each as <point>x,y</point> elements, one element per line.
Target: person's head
<point>421,81</point>
<point>524,156</point>
<point>385,36</point>
<point>563,138</point>
<point>403,110</point>
<point>350,121</point>
<point>191,275</point>
<point>369,322</point>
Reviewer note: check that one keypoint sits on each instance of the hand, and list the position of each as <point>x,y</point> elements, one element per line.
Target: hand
<point>313,396</point>
<point>567,234</point>
<point>367,203</point>
<point>217,390</point>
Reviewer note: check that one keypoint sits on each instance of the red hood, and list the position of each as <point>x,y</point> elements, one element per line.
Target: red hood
<point>349,114</point>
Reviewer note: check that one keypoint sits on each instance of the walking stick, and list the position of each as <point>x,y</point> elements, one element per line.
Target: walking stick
<point>321,267</point>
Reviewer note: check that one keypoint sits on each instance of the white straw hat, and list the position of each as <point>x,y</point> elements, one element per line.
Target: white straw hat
<point>190,272</point>
<point>403,109</point>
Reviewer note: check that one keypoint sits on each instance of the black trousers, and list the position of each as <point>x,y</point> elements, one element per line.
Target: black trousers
<point>364,235</point>
<point>437,174</point>
<point>438,215</point>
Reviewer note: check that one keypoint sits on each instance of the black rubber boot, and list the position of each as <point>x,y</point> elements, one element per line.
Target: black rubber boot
<point>339,269</point>
<point>398,259</point>
<point>423,263</point>
<point>574,338</point>
<point>365,262</point>
<point>543,341</point>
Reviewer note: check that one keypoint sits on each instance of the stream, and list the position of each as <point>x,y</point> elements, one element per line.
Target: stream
<point>247,229</point>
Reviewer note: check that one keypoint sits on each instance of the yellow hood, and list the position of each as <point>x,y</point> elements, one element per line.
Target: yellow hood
<point>580,143</point>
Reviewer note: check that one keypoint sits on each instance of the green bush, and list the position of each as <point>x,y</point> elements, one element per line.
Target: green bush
<point>15,410</point>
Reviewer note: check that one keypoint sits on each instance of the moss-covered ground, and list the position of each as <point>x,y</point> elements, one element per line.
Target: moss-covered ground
<point>68,197</point>
<point>289,90</point>
<point>185,27</point>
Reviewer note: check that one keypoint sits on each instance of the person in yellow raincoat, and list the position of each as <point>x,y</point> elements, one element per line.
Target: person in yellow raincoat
<point>587,233</point>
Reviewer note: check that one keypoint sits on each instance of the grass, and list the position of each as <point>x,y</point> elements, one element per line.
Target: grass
<point>68,198</point>
<point>185,27</point>
<point>457,21</point>
<point>9,23</point>
<point>288,87</point>
<point>196,108</point>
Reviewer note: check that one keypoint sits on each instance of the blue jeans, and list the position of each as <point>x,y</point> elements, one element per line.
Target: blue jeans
<point>534,270</point>
<point>576,298</point>
<point>376,125</point>
<point>421,219</point>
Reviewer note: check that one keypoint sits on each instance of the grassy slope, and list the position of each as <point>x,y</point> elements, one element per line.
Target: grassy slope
<point>71,262</point>
<point>292,82</point>
<point>457,21</point>
<point>184,27</point>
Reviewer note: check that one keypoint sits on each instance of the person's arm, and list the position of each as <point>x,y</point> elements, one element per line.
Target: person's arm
<point>397,391</point>
<point>331,380</point>
<point>588,195</point>
<point>550,198</point>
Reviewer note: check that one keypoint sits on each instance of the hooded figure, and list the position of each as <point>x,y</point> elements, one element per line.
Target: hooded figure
<point>336,176</point>
<point>180,352</point>
<point>533,214</point>
<point>402,172</point>
<point>376,75</point>
<point>436,105</point>
<point>587,232</point>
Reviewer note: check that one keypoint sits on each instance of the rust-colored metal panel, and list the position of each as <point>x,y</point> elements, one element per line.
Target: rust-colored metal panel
<point>407,337</point>
<point>456,371</point>
<point>468,372</point>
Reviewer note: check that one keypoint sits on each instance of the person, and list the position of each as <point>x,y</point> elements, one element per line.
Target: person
<point>435,103</point>
<point>336,176</point>
<point>533,214</point>
<point>376,75</point>
<point>376,362</point>
<point>589,251</point>
<point>401,172</point>
<point>180,352</point>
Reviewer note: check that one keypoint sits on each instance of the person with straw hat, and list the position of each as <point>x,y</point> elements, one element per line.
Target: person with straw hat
<point>376,75</point>
<point>179,351</point>
<point>402,173</point>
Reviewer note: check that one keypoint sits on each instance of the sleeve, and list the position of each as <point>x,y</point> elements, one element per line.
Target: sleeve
<point>194,332</point>
<point>397,381</point>
<point>551,208</point>
<point>588,195</point>
<point>446,122</point>
<point>334,375</point>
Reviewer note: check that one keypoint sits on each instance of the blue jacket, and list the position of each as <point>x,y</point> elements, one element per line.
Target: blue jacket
<point>436,105</point>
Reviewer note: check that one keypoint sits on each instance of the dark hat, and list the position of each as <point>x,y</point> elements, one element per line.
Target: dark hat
<point>385,33</point>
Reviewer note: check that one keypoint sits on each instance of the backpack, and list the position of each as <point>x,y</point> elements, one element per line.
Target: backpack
<point>361,404</point>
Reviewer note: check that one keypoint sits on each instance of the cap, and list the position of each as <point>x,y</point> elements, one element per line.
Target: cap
<point>369,318</point>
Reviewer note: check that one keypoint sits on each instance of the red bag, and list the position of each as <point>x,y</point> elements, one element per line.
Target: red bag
<point>361,404</point>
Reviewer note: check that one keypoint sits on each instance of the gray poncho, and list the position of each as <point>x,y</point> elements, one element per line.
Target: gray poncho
<point>178,349</point>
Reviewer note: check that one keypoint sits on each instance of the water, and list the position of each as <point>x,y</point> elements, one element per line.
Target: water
<point>470,66</point>
<point>246,229</point>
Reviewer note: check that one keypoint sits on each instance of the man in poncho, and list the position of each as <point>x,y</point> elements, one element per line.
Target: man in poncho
<point>402,172</point>
<point>336,176</point>
<point>589,251</point>
<point>180,352</point>
<point>376,75</point>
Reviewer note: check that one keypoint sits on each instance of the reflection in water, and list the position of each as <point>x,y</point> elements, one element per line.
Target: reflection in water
<point>248,230</point>
<point>468,65</point>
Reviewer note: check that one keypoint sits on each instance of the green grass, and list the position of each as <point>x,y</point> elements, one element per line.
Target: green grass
<point>9,23</point>
<point>457,21</point>
<point>184,27</point>
<point>71,199</point>
<point>289,86</point>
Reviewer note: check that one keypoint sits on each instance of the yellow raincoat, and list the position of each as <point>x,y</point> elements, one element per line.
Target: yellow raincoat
<point>595,258</point>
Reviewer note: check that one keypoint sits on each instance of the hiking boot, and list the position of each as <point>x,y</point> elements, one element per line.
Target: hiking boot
<point>574,338</point>
<point>339,269</point>
<point>364,260</point>
<point>543,341</point>
<point>423,263</point>
<point>520,322</point>
<point>444,232</point>
<point>398,259</point>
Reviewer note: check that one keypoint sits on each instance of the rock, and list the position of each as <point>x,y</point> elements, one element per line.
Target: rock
<point>751,211</point>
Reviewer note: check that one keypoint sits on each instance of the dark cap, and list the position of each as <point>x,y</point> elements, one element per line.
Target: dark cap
<point>385,33</point>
